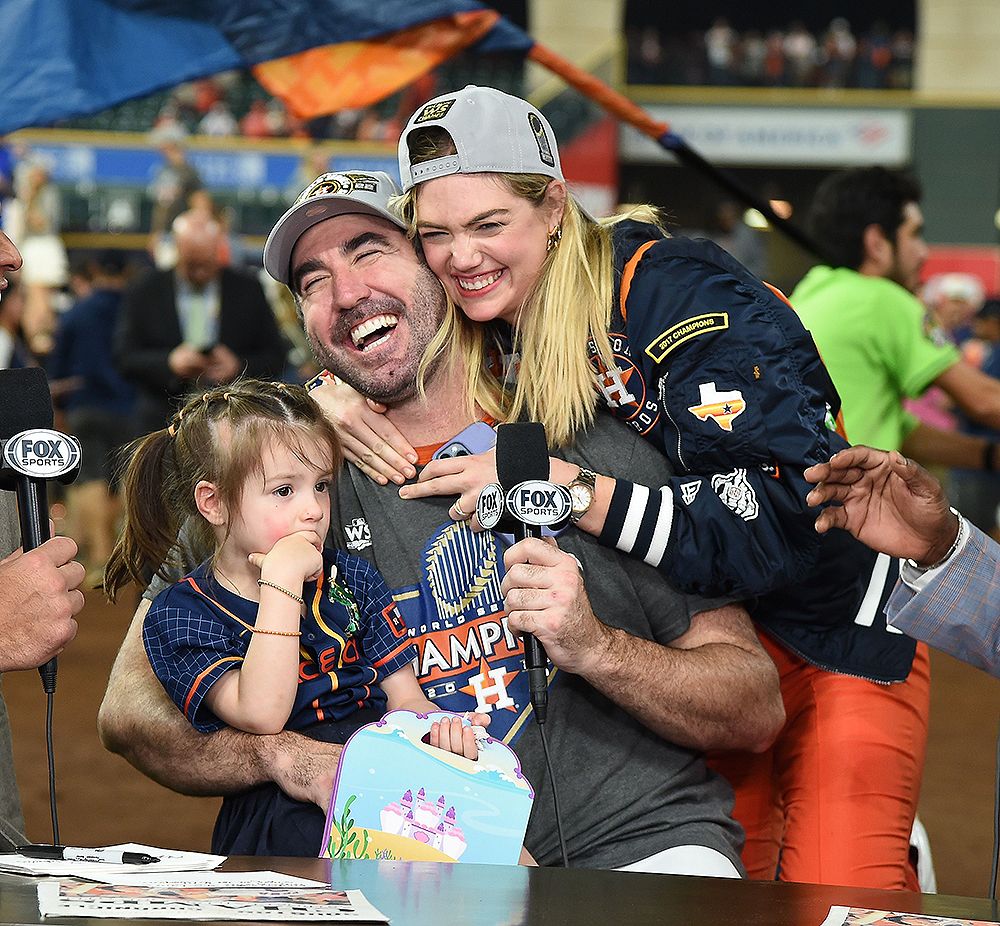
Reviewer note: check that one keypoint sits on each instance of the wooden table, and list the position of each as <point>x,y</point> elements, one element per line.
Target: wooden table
<point>430,894</point>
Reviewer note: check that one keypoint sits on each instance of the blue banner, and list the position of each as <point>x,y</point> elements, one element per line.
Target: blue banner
<point>113,165</point>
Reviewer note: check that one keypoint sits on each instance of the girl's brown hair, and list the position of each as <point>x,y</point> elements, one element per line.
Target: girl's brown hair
<point>219,436</point>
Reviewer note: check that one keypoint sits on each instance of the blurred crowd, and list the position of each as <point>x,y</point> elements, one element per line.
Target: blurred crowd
<point>234,104</point>
<point>104,323</point>
<point>881,58</point>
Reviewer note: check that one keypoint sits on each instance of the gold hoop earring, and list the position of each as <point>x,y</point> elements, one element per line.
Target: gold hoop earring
<point>555,236</point>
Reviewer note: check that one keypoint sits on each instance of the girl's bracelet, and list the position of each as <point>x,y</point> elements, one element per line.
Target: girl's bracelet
<point>277,633</point>
<point>285,591</point>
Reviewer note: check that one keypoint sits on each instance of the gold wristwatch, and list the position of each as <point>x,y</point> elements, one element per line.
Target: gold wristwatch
<point>583,491</point>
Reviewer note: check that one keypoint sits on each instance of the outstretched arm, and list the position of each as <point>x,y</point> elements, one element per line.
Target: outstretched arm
<point>713,687</point>
<point>885,500</point>
<point>138,721</point>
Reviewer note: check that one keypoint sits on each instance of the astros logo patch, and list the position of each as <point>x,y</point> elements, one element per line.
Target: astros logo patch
<point>721,407</point>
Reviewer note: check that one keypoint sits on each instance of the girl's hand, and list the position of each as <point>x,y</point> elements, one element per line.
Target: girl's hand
<point>461,476</point>
<point>294,559</point>
<point>453,735</point>
<point>369,439</point>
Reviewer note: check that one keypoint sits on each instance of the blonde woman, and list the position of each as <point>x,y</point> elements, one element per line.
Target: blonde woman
<point>556,312</point>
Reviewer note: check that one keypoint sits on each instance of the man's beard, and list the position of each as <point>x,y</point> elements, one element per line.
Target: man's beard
<point>390,385</point>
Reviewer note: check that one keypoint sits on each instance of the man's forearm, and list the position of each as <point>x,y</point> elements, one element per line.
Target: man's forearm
<point>154,736</point>
<point>713,696</point>
<point>138,721</point>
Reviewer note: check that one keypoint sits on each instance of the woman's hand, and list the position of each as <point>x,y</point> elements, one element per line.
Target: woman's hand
<point>462,476</point>
<point>369,439</point>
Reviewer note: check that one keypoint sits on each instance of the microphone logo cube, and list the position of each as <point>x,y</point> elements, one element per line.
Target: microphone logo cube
<point>490,505</point>
<point>539,502</point>
<point>42,453</point>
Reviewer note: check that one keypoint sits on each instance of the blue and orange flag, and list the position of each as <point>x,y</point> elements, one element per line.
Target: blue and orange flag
<point>65,58</point>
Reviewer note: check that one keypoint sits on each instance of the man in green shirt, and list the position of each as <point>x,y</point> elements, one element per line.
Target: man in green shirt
<point>870,329</point>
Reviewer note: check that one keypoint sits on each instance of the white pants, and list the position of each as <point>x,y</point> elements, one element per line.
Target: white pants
<point>686,860</point>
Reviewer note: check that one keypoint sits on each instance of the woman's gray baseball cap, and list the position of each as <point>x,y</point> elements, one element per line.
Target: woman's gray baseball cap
<point>493,132</point>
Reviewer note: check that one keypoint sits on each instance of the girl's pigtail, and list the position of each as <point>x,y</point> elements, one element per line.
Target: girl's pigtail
<point>151,526</point>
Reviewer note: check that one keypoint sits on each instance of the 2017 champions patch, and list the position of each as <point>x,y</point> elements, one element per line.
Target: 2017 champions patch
<point>664,343</point>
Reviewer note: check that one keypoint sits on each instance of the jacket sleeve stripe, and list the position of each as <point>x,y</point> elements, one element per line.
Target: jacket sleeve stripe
<point>633,518</point>
<point>639,521</point>
<point>661,528</point>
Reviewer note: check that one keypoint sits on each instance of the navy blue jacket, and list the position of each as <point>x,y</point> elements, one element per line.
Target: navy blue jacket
<point>716,369</point>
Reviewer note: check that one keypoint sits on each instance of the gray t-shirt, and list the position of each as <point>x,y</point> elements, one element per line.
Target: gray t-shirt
<point>624,792</point>
<point>11,820</point>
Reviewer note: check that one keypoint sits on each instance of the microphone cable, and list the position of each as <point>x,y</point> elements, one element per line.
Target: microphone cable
<point>50,698</point>
<point>555,794</point>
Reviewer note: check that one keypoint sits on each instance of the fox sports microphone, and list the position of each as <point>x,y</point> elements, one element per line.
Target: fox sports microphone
<point>524,502</point>
<point>32,454</point>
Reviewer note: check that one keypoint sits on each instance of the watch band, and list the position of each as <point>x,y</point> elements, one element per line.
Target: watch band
<point>586,479</point>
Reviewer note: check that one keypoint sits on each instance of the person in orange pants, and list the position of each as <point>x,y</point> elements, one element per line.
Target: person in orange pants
<point>804,818</point>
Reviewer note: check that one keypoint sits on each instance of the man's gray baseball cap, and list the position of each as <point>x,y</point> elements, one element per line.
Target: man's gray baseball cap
<point>493,132</point>
<point>347,193</point>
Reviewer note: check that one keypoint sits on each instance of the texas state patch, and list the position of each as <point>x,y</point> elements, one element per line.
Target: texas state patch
<point>722,406</point>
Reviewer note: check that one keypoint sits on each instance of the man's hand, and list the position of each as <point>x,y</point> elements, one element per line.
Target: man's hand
<point>304,768</point>
<point>39,597</point>
<point>186,362</point>
<point>544,595</point>
<point>221,365</point>
<point>886,501</point>
<point>370,440</point>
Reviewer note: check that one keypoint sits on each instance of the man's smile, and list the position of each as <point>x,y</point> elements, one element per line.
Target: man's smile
<point>373,331</point>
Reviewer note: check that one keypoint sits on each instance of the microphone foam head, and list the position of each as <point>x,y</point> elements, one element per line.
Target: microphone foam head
<point>25,401</point>
<point>522,453</point>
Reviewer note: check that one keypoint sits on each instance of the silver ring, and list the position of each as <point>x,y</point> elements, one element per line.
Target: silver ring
<point>458,510</point>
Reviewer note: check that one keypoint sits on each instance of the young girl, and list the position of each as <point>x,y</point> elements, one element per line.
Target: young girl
<point>273,630</point>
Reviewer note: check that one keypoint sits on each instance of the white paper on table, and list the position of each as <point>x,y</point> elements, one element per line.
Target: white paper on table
<point>217,879</point>
<point>169,860</point>
<point>74,898</point>
<point>836,916</point>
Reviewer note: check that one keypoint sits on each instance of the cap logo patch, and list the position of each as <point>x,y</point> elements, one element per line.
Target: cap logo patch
<point>436,110</point>
<point>541,139</point>
<point>331,184</point>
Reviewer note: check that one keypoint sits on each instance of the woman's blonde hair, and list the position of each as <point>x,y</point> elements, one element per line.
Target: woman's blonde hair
<point>165,466</point>
<point>563,322</point>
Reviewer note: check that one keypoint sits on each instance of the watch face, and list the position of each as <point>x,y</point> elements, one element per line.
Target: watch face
<point>582,498</point>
